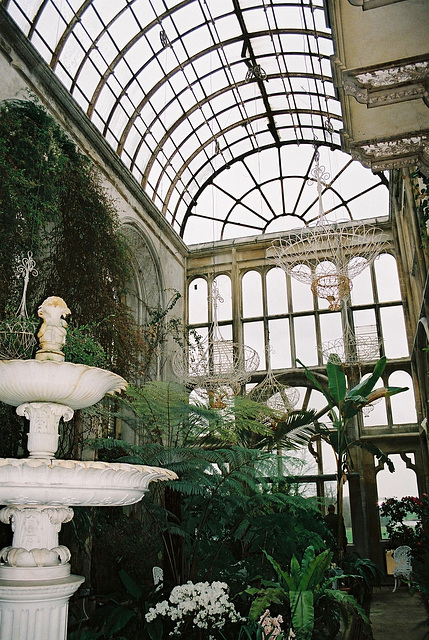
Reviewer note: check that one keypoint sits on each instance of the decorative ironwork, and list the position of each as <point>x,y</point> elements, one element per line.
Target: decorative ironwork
<point>17,339</point>
<point>354,347</point>
<point>256,73</point>
<point>330,254</point>
<point>279,397</point>
<point>212,363</point>
<point>164,39</point>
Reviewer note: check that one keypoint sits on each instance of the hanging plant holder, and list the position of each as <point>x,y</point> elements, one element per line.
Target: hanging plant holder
<point>277,396</point>
<point>354,348</point>
<point>333,288</point>
<point>213,362</point>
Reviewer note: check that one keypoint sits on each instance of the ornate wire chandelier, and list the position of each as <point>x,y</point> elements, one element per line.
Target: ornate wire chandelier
<point>328,255</point>
<point>214,364</point>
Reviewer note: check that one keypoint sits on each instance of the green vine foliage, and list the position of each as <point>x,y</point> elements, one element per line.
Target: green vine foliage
<point>53,203</point>
<point>421,199</point>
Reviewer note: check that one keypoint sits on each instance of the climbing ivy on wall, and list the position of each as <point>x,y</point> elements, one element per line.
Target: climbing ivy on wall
<point>421,199</point>
<point>53,203</point>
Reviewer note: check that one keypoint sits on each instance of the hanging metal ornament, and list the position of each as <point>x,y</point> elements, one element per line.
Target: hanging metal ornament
<point>277,396</point>
<point>355,348</point>
<point>17,339</point>
<point>328,255</point>
<point>212,363</point>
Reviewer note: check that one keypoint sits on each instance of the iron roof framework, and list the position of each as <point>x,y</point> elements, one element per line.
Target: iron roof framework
<point>216,106</point>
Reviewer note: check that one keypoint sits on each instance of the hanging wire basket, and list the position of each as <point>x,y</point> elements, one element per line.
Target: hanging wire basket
<point>278,397</point>
<point>212,362</point>
<point>354,348</point>
<point>17,339</point>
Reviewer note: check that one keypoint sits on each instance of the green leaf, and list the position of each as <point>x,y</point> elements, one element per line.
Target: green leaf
<point>265,600</point>
<point>131,586</point>
<point>336,382</point>
<point>302,611</point>
<point>117,620</point>
<point>317,384</point>
<point>378,453</point>
<point>366,386</point>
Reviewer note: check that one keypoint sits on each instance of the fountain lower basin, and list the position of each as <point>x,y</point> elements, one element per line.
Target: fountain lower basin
<point>37,481</point>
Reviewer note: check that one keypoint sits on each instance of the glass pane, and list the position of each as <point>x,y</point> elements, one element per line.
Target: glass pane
<point>252,294</point>
<point>394,332</point>
<point>403,404</point>
<point>280,354</point>
<point>329,464</point>
<point>375,414</point>
<point>302,298</point>
<point>276,291</point>
<point>198,301</point>
<point>387,278</point>
<point>331,333</point>
<point>305,340</point>
<point>224,307</point>
<point>362,292</point>
<point>254,337</point>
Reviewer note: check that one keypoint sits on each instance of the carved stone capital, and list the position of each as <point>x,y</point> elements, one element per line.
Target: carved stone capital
<point>34,529</point>
<point>44,419</point>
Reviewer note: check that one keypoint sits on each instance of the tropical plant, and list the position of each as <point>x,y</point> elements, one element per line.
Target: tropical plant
<point>306,596</point>
<point>397,511</point>
<point>227,492</point>
<point>343,405</point>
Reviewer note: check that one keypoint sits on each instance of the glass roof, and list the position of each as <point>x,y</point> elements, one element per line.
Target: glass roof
<point>215,106</point>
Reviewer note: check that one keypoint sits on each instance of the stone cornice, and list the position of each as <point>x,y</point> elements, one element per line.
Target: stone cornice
<point>372,4</point>
<point>392,153</point>
<point>392,82</point>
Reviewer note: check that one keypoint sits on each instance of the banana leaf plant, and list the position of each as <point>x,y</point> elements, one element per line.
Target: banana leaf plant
<point>306,589</point>
<point>343,405</point>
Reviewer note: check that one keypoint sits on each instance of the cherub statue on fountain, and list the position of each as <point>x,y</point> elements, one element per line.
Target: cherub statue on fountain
<point>52,333</point>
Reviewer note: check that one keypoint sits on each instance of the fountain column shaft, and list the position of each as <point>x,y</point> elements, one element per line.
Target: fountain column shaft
<point>36,610</point>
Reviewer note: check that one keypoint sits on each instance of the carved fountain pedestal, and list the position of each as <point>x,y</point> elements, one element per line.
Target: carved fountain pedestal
<point>38,492</point>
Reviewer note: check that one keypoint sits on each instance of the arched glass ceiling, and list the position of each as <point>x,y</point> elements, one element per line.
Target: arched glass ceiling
<point>214,105</point>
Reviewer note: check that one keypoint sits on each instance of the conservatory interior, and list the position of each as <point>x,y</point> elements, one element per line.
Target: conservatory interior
<point>223,206</point>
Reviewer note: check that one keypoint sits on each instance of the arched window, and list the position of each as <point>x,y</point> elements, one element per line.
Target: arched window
<point>302,298</point>
<point>224,306</point>
<point>386,273</point>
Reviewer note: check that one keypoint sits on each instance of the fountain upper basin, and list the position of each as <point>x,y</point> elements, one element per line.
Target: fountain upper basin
<point>74,385</point>
<point>32,481</point>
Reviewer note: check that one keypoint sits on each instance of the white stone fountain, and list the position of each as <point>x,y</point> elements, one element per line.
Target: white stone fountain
<point>38,492</point>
